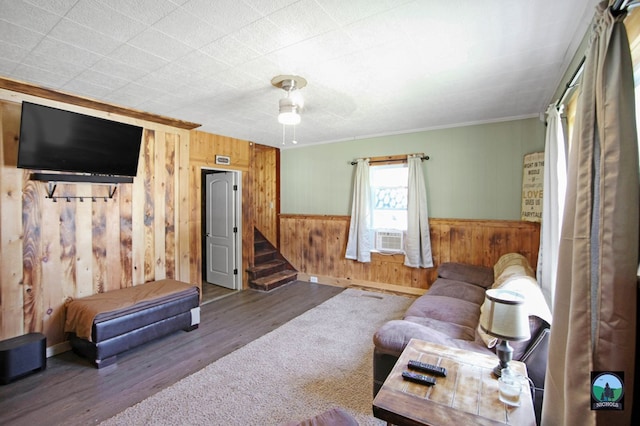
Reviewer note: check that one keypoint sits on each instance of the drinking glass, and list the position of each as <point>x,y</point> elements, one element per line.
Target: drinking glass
<point>509,387</point>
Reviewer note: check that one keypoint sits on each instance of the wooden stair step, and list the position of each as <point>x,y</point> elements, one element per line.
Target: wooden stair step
<point>264,254</point>
<point>268,268</point>
<point>273,263</point>
<point>272,281</point>
<point>265,250</point>
<point>262,244</point>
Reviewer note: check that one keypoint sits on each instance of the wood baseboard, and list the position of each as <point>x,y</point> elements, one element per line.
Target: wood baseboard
<point>350,283</point>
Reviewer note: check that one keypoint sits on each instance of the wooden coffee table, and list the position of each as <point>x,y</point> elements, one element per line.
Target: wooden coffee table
<point>467,396</point>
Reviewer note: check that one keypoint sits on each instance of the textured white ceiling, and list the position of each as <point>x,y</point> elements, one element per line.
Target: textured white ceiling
<point>373,66</point>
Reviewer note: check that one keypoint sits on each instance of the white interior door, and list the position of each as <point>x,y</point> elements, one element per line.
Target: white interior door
<point>221,230</point>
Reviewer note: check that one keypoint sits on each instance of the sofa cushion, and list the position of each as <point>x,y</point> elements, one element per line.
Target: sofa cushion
<point>473,274</point>
<point>443,308</point>
<point>457,289</point>
<point>395,335</point>
<point>454,331</point>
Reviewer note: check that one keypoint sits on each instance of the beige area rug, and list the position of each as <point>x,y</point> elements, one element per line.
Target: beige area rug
<point>319,360</point>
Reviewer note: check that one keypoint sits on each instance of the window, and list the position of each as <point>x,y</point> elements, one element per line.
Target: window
<point>389,196</point>
<point>380,217</point>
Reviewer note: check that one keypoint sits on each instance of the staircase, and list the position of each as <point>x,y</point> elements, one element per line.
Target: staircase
<point>271,269</point>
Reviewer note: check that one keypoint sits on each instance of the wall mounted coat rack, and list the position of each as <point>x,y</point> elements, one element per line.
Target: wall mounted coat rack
<point>52,189</point>
<point>54,178</point>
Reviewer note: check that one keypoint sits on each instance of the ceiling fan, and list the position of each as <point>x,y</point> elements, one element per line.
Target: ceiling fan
<point>291,105</point>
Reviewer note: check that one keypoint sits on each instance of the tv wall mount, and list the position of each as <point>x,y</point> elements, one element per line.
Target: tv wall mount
<point>54,178</point>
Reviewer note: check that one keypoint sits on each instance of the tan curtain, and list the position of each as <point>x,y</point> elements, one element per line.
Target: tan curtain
<point>359,242</point>
<point>418,242</point>
<point>595,300</point>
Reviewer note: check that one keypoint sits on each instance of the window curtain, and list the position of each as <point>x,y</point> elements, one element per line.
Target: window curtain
<point>594,324</point>
<point>418,241</point>
<point>359,242</point>
<point>554,189</point>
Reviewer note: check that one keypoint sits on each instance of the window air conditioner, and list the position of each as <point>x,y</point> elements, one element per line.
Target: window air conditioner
<point>389,241</point>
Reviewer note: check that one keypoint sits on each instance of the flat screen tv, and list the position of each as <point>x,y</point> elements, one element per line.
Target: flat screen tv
<point>55,139</point>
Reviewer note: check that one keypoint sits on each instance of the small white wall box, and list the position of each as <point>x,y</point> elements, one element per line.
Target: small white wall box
<point>389,240</point>
<point>195,315</point>
<point>22,355</point>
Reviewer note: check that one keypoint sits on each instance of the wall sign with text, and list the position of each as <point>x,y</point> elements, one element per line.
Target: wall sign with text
<point>223,159</point>
<point>532,187</point>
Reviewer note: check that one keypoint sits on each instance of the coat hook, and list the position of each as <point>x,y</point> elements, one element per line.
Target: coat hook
<point>82,199</point>
<point>93,199</point>
<point>68,200</point>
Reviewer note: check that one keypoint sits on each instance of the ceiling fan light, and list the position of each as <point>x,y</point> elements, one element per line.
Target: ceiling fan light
<point>288,112</point>
<point>290,106</point>
<point>289,118</point>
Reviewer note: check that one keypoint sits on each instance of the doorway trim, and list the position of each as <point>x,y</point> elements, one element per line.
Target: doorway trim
<point>237,220</point>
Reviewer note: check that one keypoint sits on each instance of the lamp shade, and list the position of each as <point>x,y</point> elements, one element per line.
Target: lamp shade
<point>504,315</point>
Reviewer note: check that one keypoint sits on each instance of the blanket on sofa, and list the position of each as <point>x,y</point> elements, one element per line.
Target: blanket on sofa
<point>512,272</point>
<point>82,312</point>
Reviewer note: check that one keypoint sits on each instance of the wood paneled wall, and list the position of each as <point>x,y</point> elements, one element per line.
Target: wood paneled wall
<point>316,245</point>
<point>53,250</point>
<point>259,165</point>
<point>203,150</point>
<point>50,251</point>
<point>267,191</point>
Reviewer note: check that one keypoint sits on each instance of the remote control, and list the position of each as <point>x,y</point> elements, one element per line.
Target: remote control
<point>428,368</point>
<point>418,378</point>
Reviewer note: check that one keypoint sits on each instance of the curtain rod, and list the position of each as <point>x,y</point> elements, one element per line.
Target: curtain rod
<point>619,5</point>
<point>616,9</point>
<point>573,82</point>
<point>423,158</point>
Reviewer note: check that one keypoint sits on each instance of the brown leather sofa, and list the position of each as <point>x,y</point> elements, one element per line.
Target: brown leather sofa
<point>448,314</point>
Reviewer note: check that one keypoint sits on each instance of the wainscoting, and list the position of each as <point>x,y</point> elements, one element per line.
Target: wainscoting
<point>315,246</point>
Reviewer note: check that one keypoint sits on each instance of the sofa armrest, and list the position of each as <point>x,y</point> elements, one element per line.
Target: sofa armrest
<point>536,357</point>
<point>393,336</point>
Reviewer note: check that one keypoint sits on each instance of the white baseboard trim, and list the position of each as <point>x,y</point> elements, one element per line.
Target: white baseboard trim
<point>58,349</point>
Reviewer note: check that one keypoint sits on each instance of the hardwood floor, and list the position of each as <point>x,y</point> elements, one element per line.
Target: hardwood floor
<point>212,292</point>
<point>72,392</point>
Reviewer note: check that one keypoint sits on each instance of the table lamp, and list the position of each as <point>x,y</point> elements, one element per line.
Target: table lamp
<point>504,315</point>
